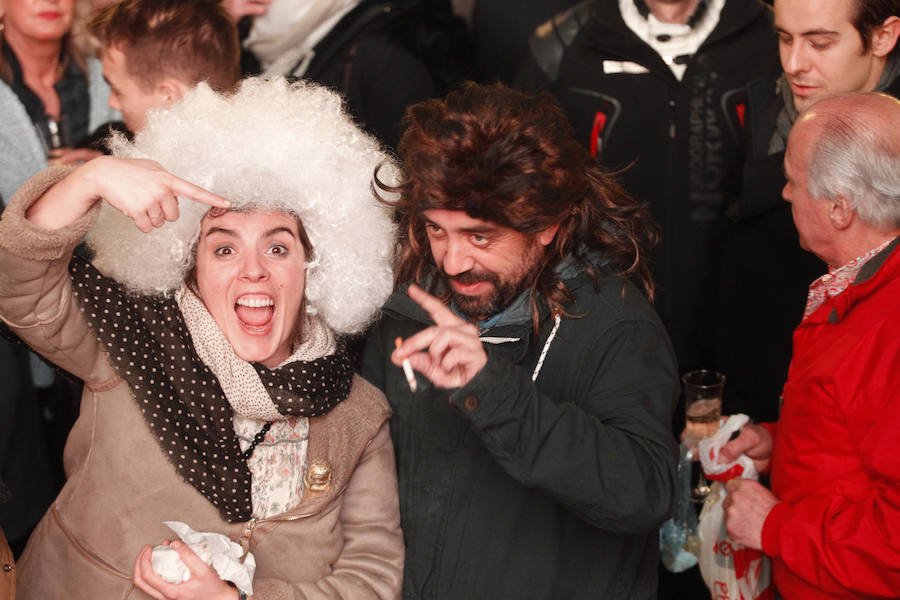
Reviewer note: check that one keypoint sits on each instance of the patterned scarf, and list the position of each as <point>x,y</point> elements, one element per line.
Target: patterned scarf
<point>836,280</point>
<point>182,399</point>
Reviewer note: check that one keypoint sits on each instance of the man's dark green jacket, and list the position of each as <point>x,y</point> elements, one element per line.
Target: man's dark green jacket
<point>553,488</point>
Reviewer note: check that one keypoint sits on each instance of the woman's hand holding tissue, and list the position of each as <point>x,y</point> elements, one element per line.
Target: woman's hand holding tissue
<point>746,507</point>
<point>203,584</point>
<point>755,442</point>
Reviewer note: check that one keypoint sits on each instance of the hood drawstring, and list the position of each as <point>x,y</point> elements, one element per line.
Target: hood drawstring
<point>557,319</point>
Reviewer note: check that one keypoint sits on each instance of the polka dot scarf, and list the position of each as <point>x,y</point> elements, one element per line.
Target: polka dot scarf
<point>251,388</point>
<point>182,400</point>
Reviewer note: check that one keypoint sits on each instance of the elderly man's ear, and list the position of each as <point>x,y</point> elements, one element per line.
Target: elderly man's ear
<point>841,214</point>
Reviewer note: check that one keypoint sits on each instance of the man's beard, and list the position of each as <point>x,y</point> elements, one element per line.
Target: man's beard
<point>502,294</point>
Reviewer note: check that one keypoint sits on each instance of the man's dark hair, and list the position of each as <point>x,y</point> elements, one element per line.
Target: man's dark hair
<point>504,156</point>
<point>192,40</point>
<point>868,15</point>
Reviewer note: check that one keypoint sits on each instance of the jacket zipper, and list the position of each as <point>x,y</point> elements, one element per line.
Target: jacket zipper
<point>250,526</point>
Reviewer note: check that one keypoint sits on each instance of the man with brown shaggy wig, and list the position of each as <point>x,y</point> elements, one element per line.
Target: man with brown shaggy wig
<point>155,50</point>
<point>533,446</point>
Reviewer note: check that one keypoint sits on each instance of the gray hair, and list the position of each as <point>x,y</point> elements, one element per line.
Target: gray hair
<point>856,157</point>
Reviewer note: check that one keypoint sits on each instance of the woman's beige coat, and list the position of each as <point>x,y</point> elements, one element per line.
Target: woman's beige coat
<point>7,570</point>
<point>343,541</point>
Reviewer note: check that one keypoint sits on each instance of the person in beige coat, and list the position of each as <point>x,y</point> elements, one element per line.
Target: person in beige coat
<point>208,329</point>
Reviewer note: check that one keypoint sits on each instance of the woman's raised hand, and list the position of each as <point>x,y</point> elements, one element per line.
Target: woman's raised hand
<point>145,192</point>
<point>203,584</point>
<point>141,189</point>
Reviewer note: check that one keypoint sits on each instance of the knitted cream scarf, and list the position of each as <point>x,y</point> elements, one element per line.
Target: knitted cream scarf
<point>239,379</point>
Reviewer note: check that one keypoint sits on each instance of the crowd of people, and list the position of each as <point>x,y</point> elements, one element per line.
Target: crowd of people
<point>395,295</point>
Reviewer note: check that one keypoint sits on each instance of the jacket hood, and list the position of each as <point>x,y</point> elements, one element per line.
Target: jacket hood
<point>607,20</point>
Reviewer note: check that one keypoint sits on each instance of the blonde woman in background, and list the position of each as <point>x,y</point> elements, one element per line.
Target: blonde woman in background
<point>52,94</point>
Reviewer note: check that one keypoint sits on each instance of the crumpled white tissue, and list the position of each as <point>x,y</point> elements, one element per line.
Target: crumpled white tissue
<point>214,549</point>
<point>709,453</point>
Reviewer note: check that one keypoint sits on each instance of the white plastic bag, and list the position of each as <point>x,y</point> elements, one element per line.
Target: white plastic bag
<point>730,570</point>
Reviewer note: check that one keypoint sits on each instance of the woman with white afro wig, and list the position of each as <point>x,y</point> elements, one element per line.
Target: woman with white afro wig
<point>235,241</point>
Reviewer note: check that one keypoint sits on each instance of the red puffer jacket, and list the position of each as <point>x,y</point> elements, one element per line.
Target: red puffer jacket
<point>836,461</point>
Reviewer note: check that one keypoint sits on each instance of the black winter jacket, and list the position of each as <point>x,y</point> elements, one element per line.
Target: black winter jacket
<point>365,59</point>
<point>680,141</point>
<point>548,489</point>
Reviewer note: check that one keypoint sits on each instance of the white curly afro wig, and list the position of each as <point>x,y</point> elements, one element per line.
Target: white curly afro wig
<point>269,146</point>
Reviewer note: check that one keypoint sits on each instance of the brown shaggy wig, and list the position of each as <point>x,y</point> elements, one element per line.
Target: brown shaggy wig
<point>504,156</point>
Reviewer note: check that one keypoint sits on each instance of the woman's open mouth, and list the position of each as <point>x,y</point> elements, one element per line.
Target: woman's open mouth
<point>255,313</point>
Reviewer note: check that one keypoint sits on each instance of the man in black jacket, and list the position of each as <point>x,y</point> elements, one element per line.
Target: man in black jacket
<point>534,452</point>
<point>656,89</point>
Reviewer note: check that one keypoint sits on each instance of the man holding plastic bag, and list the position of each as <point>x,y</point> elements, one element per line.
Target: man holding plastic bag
<point>832,518</point>
<point>730,570</point>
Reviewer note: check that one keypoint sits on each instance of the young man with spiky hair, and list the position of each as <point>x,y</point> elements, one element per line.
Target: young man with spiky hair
<point>155,50</point>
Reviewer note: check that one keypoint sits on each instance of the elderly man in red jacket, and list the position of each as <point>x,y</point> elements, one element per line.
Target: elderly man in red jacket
<point>832,518</point>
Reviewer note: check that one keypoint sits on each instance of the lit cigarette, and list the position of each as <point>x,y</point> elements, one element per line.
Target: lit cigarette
<point>407,369</point>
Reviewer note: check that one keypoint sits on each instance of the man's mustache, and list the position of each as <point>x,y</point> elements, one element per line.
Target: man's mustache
<point>470,277</point>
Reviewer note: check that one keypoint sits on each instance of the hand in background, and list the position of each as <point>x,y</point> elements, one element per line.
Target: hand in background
<point>242,8</point>
<point>73,156</point>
